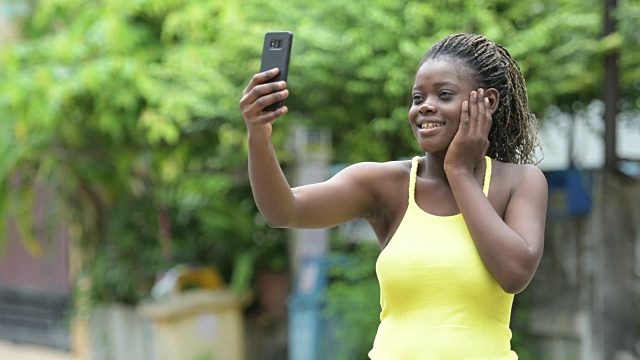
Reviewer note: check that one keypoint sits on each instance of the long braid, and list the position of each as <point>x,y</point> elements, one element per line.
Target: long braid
<point>513,135</point>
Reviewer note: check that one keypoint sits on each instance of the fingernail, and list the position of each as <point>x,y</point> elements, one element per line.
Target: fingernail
<point>481,92</point>
<point>281,84</point>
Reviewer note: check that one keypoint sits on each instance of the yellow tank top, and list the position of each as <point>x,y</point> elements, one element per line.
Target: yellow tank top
<point>438,299</point>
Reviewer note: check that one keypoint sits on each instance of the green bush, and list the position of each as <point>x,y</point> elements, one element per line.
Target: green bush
<point>353,300</point>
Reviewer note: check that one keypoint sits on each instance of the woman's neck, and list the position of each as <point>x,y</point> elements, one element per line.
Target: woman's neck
<point>434,167</point>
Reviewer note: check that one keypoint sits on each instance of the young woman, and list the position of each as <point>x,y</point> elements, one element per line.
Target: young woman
<point>461,228</point>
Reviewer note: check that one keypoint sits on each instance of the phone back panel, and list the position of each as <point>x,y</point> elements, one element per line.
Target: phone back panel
<point>276,53</point>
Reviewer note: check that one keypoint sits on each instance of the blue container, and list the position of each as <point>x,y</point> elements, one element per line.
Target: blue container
<point>306,303</point>
<point>570,193</point>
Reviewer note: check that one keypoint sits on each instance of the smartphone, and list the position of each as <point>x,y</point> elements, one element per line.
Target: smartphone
<point>275,54</point>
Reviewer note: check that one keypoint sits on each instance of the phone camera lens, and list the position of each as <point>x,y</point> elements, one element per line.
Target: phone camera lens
<point>275,44</point>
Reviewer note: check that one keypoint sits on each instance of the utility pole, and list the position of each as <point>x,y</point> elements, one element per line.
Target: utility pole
<point>611,89</point>
<point>311,165</point>
<point>614,324</point>
<point>308,251</point>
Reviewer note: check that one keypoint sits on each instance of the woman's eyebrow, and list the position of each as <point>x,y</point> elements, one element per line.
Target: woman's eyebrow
<point>438,84</point>
<point>445,83</point>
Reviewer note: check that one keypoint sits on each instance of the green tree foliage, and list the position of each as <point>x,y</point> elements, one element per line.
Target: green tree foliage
<point>627,41</point>
<point>125,108</point>
<point>353,65</point>
<point>352,306</point>
<point>130,106</point>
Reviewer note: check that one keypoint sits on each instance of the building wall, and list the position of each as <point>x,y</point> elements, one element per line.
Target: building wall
<point>8,32</point>
<point>580,139</point>
<point>584,299</point>
<point>35,290</point>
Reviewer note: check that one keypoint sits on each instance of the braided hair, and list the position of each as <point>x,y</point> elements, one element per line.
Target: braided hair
<point>513,135</point>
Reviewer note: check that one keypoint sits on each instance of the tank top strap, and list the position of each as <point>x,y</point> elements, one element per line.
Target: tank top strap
<point>413,179</point>
<point>487,176</point>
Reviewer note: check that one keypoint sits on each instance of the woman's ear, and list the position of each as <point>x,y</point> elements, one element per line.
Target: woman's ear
<point>494,99</point>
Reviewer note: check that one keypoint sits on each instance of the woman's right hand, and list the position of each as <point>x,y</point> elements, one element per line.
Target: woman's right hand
<point>258,95</point>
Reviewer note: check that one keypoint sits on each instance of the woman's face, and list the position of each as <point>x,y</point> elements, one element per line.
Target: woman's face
<point>440,87</point>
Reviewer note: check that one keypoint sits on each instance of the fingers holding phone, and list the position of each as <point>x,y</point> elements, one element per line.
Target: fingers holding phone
<point>263,99</point>
<point>259,95</point>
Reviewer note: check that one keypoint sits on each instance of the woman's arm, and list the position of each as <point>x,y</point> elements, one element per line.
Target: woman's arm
<point>511,248</point>
<point>344,197</point>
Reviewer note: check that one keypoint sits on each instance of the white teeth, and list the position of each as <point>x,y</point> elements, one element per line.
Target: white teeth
<point>430,125</point>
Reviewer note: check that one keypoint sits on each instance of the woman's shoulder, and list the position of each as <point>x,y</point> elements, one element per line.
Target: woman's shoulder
<point>370,169</point>
<point>387,182</point>
<point>516,169</point>
<point>517,174</point>
<point>380,178</point>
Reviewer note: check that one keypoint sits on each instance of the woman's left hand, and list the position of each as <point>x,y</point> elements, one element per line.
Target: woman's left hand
<point>469,146</point>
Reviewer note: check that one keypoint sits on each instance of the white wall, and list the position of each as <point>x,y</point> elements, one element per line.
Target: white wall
<point>588,149</point>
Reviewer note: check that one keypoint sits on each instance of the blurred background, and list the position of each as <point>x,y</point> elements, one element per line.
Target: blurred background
<point>129,228</point>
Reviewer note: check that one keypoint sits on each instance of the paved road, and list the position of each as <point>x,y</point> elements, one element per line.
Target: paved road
<point>12,351</point>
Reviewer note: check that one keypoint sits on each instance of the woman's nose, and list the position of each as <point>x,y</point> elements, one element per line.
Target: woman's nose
<point>426,107</point>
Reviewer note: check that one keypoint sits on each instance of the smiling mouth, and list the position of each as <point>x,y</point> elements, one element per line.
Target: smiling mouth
<point>430,125</point>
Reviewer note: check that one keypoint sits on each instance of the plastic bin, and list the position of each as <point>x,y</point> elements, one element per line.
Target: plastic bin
<point>569,193</point>
<point>198,325</point>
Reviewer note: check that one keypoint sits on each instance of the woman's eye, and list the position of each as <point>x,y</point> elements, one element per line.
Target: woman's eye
<point>417,98</point>
<point>445,94</point>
